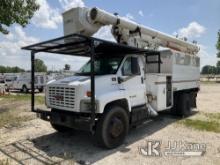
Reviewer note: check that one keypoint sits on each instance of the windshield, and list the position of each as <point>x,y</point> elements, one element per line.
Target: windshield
<point>103,66</point>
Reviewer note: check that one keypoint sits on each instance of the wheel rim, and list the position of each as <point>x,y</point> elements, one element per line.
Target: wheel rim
<point>116,127</point>
<point>24,89</point>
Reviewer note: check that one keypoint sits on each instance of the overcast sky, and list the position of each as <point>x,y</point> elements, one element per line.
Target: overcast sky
<point>195,19</point>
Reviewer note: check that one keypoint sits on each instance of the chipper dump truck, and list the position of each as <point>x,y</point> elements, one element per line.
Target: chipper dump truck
<point>124,83</point>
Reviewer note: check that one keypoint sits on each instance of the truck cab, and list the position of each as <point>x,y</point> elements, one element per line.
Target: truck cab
<point>117,78</point>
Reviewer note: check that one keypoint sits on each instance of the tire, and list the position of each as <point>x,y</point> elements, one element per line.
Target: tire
<point>6,88</point>
<point>174,110</point>
<point>193,96</point>
<point>60,128</point>
<point>112,127</point>
<point>184,105</point>
<point>41,90</point>
<point>24,89</point>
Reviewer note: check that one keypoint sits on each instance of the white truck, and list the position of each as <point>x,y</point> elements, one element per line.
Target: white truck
<point>22,82</point>
<point>2,78</point>
<point>124,83</point>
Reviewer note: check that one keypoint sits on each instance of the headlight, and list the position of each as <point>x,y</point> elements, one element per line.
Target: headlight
<point>85,106</point>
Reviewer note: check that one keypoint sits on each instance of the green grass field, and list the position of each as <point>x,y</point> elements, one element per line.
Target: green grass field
<point>15,109</point>
<point>204,122</point>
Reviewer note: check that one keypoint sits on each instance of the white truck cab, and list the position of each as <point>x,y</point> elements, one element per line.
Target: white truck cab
<point>114,79</point>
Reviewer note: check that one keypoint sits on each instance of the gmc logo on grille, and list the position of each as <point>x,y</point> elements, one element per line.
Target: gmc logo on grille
<point>59,98</point>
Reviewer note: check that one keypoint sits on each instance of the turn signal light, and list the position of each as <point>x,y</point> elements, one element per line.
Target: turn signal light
<point>88,94</point>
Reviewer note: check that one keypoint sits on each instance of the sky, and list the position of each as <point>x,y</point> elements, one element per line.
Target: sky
<point>195,19</point>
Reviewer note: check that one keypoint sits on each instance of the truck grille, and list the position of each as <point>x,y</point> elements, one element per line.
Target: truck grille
<point>62,97</point>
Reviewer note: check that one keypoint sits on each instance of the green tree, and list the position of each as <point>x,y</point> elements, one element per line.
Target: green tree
<point>218,43</point>
<point>2,69</point>
<point>8,69</point>
<point>208,69</point>
<point>218,70</point>
<point>67,67</point>
<point>40,66</point>
<point>16,11</point>
<point>218,48</point>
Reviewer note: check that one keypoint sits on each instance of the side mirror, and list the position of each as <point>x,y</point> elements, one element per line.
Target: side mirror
<point>120,80</point>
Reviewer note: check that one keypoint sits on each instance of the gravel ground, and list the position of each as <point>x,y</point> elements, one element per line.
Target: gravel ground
<point>35,142</point>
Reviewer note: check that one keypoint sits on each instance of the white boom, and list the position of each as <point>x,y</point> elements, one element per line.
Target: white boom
<point>88,21</point>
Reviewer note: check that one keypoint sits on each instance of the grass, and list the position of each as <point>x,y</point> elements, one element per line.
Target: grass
<point>4,162</point>
<point>13,118</point>
<point>210,126</point>
<point>213,116</point>
<point>12,115</point>
<point>22,97</point>
<point>207,122</point>
<point>209,82</point>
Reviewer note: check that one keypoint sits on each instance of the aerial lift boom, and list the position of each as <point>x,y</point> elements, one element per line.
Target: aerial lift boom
<point>88,21</point>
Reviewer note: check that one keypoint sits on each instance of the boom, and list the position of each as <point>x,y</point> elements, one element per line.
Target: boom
<point>88,21</point>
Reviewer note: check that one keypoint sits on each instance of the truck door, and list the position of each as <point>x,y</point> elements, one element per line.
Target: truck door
<point>132,80</point>
<point>15,83</point>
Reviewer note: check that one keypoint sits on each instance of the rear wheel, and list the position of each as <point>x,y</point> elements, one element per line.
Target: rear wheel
<point>174,110</point>
<point>6,88</point>
<point>112,127</point>
<point>24,89</point>
<point>41,89</point>
<point>182,105</point>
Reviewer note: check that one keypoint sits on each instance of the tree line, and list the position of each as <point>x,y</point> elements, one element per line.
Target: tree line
<point>210,69</point>
<point>39,67</point>
<point>8,69</point>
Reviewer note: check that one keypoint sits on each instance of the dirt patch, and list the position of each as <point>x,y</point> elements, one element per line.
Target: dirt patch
<point>14,111</point>
<point>35,142</point>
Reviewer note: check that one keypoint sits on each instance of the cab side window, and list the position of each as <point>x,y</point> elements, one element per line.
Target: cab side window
<point>131,67</point>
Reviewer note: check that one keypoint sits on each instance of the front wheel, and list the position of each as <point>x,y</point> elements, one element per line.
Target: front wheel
<point>112,127</point>
<point>24,89</point>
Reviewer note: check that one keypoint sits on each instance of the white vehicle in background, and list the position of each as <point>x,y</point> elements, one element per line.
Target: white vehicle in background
<point>2,78</point>
<point>9,80</point>
<point>22,82</point>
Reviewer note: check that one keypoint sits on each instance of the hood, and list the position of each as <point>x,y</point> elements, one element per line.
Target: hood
<point>72,79</point>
